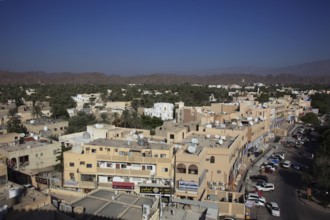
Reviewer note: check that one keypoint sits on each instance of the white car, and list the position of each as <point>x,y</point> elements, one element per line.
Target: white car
<point>266,187</point>
<point>281,155</point>
<point>256,196</point>
<point>273,208</point>
<point>254,202</point>
<point>286,164</point>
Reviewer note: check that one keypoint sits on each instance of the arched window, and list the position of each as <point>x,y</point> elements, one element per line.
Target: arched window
<point>193,169</point>
<point>181,168</point>
<point>212,159</point>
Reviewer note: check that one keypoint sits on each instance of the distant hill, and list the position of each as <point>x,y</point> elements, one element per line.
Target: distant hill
<point>308,73</point>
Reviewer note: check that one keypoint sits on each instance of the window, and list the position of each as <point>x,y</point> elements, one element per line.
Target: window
<point>212,159</point>
<point>56,151</point>
<point>156,155</point>
<point>93,150</point>
<point>82,162</point>
<point>171,136</point>
<point>218,171</point>
<point>36,155</point>
<point>165,169</point>
<point>55,129</point>
<point>149,167</point>
<point>71,164</point>
<point>162,155</point>
<point>61,128</point>
<point>123,166</point>
<point>89,165</point>
<point>41,154</point>
<point>101,148</point>
<point>72,177</point>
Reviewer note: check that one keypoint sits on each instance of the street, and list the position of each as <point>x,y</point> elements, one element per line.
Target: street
<point>287,183</point>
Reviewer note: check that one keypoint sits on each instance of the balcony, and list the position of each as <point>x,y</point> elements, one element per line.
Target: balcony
<point>87,184</point>
<point>123,172</point>
<point>186,176</point>
<point>133,159</point>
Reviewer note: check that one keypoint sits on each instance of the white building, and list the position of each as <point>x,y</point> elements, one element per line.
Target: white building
<point>161,110</point>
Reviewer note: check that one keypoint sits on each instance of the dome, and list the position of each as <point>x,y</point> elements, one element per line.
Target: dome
<point>86,135</point>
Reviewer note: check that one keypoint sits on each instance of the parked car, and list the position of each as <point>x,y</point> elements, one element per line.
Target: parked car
<point>229,218</point>
<point>273,208</point>
<point>255,202</point>
<point>278,156</point>
<point>297,166</point>
<point>286,164</point>
<point>255,178</point>
<point>255,196</point>
<point>266,187</point>
<point>269,170</point>
<point>273,159</point>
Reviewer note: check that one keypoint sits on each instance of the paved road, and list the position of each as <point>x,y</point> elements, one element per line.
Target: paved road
<point>287,181</point>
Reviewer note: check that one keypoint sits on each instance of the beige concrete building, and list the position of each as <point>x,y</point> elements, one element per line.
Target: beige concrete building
<point>9,139</point>
<point>32,154</point>
<point>204,160</point>
<point>119,164</point>
<point>46,126</point>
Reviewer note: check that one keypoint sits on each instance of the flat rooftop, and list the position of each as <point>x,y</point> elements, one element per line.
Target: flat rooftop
<point>129,144</point>
<point>202,141</point>
<point>43,121</point>
<point>26,145</point>
<point>108,204</point>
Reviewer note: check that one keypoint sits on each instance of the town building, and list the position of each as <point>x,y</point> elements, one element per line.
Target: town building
<point>119,164</point>
<point>161,110</point>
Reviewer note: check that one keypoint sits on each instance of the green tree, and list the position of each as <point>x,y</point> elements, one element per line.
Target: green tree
<point>310,118</point>
<point>105,118</point>
<point>14,125</point>
<point>36,111</point>
<point>126,118</point>
<point>79,122</point>
<point>60,158</point>
<point>264,97</point>
<point>136,120</point>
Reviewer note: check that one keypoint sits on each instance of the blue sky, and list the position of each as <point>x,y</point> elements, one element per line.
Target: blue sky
<point>160,36</point>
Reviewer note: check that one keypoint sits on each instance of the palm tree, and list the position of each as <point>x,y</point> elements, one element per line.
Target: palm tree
<point>126,117</point>
<point>115,119</point>
<point>36,111</point>
<point>136,120</point>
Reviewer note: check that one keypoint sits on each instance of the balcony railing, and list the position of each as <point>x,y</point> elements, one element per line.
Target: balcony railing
<point>133,159</point>
<point>125,172</point>
<point>87,184</point>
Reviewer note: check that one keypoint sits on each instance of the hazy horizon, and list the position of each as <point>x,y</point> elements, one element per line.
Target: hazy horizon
<point>146,37</point>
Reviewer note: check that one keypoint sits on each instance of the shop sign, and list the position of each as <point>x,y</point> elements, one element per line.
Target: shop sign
<point>71,183</point>
<point>155,190</point>
<point>41,180</point>
<point>189,186</point>
<point>122,185</point>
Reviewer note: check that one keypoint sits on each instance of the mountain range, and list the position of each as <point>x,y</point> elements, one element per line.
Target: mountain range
<point>308,73</point>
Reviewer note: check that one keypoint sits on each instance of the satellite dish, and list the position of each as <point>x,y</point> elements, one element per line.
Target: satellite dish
<point>216,136</point>
<point>191,149</point>
<point>223,137</point>
<point>256,119</point>
<point>36,137</point>
<point>234,123</point>
<point>208,136</point>
<point>251,123</point>
<point>240,124</point>
<point>22,135</point>
<point>194,140</point>
<point>220,141</point>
